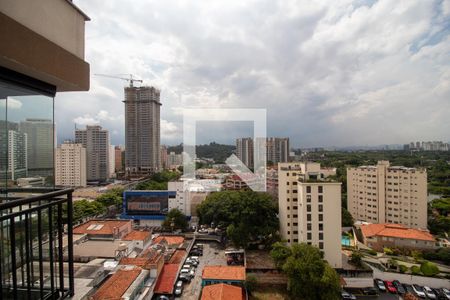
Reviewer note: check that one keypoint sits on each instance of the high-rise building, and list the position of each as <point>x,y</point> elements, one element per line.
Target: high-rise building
<point>40,137</point>
<point>142,130</point>
<point>96,141</point>
<point>388,194</point>
<point>70,165</point>
<point>309,208</point>
<point>174,160</point>
<point>277,150</point>
<point>13,149</point>
<point>164,157</point>
<point>118,158</point>
<point>244,151</point>
<point>112,161</point>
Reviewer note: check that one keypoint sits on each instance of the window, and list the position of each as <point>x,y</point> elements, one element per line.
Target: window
<point>308,226</point>
<point>308,217</point>
<point>308,189</point>
<point>320,217</point>
<point>320,198</point>
<point>320,207</point>
<point>321,245</point>
<point>309,236</point>
<point>308,198</point>
<point>308,208</point>
<point>320,189</point>
<point>320,226</point>
<point>320,236</point>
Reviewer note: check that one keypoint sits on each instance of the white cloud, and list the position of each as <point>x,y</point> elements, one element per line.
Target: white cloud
<point>12,103</point>
<point>327,72</point>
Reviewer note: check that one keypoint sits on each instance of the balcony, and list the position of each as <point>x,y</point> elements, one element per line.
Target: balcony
<point>32,243</point>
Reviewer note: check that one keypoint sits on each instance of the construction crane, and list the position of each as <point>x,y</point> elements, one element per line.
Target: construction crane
<point>130,80</point>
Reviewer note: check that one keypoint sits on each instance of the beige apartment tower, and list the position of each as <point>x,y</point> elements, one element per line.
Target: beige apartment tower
<point>388,194</point>
<point>244,151</point>
<point>70,165</point>
<point>310,208</point>
<point>142,130</point>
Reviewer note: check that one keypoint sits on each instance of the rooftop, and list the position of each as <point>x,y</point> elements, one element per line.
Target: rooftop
<point>177,257</point>
<point>221,291</point>
<point>99,227</point>
<point>224,273</point>
<point>117,284</point>
<point>171,240</point>
<point>166,279</point>
<point>397,231</point>
<point>136,235</point>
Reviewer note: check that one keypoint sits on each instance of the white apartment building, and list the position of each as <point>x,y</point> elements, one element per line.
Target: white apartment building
<point>182,199</point>
<point>388,194</point>
<point>310,208</point>
<point>70,165</point>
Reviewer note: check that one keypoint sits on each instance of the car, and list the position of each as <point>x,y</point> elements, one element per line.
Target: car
<point>185,277</point>
<point>429,292</point>
<point>185,271</point>
<point>178,291</point>
<point>446,292</point>
<point>179,284</point>
<point>408,288</point>
<point>418,290</point>
<point>192,272</point>
<point>162,297</point>
<point>380,284</point>
<point>390,287</point>
<point>196,258</point>
<point>399,287</point>
<point>370,291</point>
<point>346,295</point>
<point>187,266</point>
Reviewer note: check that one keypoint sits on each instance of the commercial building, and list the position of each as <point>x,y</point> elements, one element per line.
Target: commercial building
<point>309,208</point>
<point>40,141</point>
<point>142,130</point>
<point>388,194</point>
<point>119,153</point>
<point>380,236</point>
<point>70,165</point>
<point>96,141</point>
<point>147,208</point>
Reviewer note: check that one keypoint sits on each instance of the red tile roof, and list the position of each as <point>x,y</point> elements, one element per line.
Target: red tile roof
<point>396,231</point>
<point>177,257</point>
<point>166,279</point>
<point>224,273</point>
<point>99,227</point>
<point>136,235</point>
<point>116,285</point>
<point>222,292</point>
<point>171,240</point>
<point>143,262</point>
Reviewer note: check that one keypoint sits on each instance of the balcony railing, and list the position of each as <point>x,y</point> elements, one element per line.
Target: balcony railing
<point>33,242</point>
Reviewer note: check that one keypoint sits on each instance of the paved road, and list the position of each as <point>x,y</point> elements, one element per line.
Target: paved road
<point>213,254</point>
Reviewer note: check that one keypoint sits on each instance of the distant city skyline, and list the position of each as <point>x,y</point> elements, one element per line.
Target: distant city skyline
<point>329,74</point>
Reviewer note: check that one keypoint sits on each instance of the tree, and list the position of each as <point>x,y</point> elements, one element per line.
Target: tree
<point>309,275</point>
<point>356,258</point>
<point>112,197</point>
<point>347,219</point>
<point>248,216</point>
<point>429,269</point>
<point>250,283</point>
<point>280,252</point>
<point>175,219</point>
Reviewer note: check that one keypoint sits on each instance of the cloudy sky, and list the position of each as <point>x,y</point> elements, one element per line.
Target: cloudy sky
<point>337,73</point>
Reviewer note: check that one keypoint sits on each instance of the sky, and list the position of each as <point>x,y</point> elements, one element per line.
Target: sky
<point>328,73</point>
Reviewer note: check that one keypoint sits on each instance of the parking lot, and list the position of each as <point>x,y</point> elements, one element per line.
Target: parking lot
<point>213,254</point>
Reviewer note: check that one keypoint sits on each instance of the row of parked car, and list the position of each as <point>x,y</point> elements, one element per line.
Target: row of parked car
<point>187,272</point>
<point>396,287</point>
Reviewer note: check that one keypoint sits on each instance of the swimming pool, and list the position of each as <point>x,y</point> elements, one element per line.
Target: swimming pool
<point>345,241</point>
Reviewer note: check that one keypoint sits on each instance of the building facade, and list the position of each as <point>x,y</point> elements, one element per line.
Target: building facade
<point>142,130</point>
<point>244,151</point>
<point>277,150</point>
<point>40,141</point>
<point>309,209</point>
<point>96,141</point>
<point>14,145</point>
<point>182,200</point>
<point>70,165</point>
<point>388,194</point>
<point>118,158</point>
